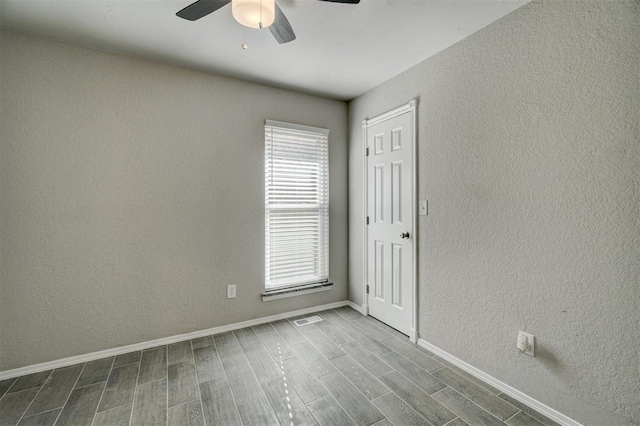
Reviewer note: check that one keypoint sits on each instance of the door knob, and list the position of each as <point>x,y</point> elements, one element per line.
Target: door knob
<point>404,235</point>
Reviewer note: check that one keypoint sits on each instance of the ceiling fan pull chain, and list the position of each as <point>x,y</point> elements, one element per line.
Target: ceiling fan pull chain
<point>244,40</point>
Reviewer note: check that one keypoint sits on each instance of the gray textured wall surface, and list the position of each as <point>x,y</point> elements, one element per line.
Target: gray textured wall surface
<point>132,194</point>
<point>529,155</point>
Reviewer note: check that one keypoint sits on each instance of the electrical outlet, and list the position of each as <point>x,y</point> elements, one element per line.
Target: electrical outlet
<point>527,343</point>
<point>231,291</point>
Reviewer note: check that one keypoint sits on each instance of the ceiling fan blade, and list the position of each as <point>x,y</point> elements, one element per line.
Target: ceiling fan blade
<point>281,29</point>
<point>201,8</point>
<point>344,1</point>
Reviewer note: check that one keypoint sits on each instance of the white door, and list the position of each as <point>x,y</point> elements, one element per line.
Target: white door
<point>390,211</point>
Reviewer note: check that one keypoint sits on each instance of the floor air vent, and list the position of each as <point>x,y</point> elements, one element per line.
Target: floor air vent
<point>306,321</point>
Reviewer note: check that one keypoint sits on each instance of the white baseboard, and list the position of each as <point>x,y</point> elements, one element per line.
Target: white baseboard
<point>357,307</point>
<point>163,341</point>
<point>512,392</point>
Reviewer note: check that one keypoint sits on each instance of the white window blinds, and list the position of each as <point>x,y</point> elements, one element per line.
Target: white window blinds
<point>296,205</point>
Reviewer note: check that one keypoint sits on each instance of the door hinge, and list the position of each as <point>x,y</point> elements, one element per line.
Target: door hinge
<point>367,152</point>
<point>367,220</point>
<point>367,288</point>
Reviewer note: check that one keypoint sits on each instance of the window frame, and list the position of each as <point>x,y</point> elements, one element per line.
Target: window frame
<point>320,281</point>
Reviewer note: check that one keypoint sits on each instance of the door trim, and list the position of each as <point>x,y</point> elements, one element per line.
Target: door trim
<point>412,108</point>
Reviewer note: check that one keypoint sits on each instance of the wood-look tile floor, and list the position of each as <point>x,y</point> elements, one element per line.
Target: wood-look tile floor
<point>345,370</point>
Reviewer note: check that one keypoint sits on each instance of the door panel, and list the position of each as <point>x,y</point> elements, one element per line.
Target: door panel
<point>379,268</point>
<point>396,275</point>
<point>389,207</point>
<point>396,192</point>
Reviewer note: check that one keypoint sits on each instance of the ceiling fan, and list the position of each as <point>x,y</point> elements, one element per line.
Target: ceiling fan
<point>251,13</point>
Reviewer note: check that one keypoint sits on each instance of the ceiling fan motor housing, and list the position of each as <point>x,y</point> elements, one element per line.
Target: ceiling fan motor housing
<point>254,13</point>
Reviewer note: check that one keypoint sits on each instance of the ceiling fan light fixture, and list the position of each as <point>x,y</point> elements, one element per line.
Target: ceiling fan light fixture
<point>254,13</point>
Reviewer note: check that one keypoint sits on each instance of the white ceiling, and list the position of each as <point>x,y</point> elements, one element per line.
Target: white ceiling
<point>341,51</point>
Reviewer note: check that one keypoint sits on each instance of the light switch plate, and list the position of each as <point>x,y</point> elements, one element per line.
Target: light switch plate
<point>423,208</point>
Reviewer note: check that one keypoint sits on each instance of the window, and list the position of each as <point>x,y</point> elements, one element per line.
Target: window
<point>296,205</point>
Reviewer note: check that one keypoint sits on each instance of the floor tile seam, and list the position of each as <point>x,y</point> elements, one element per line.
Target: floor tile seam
<point>354,385</point>
<point>263,332</point>
<point>408,360</point>
<point>408,349</point>
<point>319,383</point>
<point>50,409</point>
<point>424,390</point>
<point>193,357</point>
<point>24,390</point>
<point>68,396</point>
<point>379,324</point>
<point>472,379</point>
<point>340,327</point>
<point>341,406</point>
<point>155,380</point>
<point>429,396</point>
<point>438,391</point>
<point>114,407</point>
<point>474,403</point>
<point>18,378</point>
<point>10,386</point>
<point>273,409</point>
<point>311,414</point>
<point>104,389</point>
<point>191,400</point>
<point>315,379</point>
<point>226,375</point>
<point>348,319</point>
<point>135,389</point>
<point>490,394</point>
<point>384,394</point>
<point>269,352</point>
<point>390,350</point>
<point>320,397</point>
<point>42,412</point>
<point>545,422</point>
<point>282,336</point>
<point>318,348</point>
<point>377,357</point>
<point>518,412</point>
<point>175,343</point>
<point>452,420</point>
<point>473,383</point>
<point>406,403</point>
<point>115,367</point>
<point>187,403</point>
<point>90,384</point>
<point>363,330</point>
<point>329,337</point>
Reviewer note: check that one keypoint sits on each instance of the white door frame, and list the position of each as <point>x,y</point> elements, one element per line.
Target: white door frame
<point>411,107</point>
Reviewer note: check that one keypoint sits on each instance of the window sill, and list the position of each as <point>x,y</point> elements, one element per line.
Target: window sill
<point>270,295</point>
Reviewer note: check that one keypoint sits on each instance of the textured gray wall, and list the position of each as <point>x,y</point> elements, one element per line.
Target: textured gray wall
<point>132,194</point>
<point>529,155</point>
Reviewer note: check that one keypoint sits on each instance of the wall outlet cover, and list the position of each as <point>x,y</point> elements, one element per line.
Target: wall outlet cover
<point>231,291</point>
<point>526,343</point>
